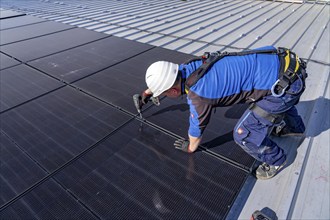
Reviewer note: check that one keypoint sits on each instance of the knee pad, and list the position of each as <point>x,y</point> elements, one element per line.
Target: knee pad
<point>240,137</point>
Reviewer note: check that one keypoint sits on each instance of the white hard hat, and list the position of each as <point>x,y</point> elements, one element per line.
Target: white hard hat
<point>161,76</point>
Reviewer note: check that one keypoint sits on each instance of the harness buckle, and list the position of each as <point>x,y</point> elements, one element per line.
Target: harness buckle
<point>279,128</point>
<point>281,51</point>
<point>274,88</point>
<point>205,56</point>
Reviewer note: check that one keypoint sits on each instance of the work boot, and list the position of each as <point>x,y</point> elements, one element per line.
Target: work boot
<point>285,132</point>
<point>282,130</point>
<point>265,171</point>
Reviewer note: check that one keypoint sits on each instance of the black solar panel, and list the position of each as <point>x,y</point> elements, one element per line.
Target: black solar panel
<point>56,127</point>
<point>19,21</point>
<point>46,45</point>
<point>139,174</point>
<point>118,83</point>
<point>21,83</point>
<point>67,154</point>
<point>173,115</point>
<point>7,61</point>
<point>31,31</point>
<point>90,58</point>
<point>48,201</point>
<point>18,171</point>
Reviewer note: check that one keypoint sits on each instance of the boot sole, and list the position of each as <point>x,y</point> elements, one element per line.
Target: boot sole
<point>269,177</point>
<point>292,135</point>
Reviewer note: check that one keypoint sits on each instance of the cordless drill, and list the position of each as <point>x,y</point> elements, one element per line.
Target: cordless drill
<point>138,103</point>
<point>137,99</point>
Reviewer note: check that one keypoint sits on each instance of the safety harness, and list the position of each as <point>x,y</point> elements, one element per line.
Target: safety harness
<point>291,69</point>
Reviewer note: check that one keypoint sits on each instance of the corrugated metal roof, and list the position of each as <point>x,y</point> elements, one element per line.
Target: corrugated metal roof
<point>192,27</point>
<point>195,26</point>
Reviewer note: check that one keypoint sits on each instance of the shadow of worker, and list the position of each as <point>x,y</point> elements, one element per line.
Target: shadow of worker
<point>315,114</point>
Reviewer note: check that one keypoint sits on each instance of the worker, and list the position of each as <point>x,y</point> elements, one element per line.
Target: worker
<point>271,79</point>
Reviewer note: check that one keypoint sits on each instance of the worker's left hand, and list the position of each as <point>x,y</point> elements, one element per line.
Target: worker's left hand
<point>182,145</point>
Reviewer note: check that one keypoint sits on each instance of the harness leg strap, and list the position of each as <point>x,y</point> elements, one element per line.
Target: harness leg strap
<point>273,118</point>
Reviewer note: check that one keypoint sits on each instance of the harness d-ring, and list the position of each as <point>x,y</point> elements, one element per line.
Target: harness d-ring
<point>273,90</point>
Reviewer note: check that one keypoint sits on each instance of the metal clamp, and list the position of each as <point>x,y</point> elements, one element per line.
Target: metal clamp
<point>279,128</point>
<point>273,90</point>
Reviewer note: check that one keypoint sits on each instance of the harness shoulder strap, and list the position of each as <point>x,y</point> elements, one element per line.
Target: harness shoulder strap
<point>290,69</point>
<point>210,58</point>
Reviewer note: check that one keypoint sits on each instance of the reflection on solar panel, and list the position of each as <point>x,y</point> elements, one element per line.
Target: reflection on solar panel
<point>118,83</point>
<point>19,21</point>
<point>74,64</point>
<point>72,146</point>
<point>30,31</point>
<point>32,49</point>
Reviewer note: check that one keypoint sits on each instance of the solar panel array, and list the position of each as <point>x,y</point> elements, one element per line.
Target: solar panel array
<point>74,147</point>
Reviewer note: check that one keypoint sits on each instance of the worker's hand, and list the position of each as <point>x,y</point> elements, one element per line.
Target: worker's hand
<point>182,145</point>
<point>145,98</point>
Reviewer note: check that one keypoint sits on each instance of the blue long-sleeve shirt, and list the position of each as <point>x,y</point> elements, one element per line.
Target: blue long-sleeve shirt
<point>231,80</point>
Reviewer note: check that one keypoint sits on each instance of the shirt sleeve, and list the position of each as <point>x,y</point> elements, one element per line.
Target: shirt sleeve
<point>200,114</point>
